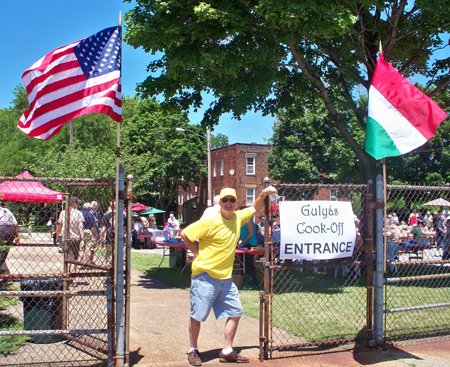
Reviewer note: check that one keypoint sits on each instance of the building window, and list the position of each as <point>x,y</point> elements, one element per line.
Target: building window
<point>205,194</point>
<point>250,195</point>
<point>215,169</point>
<point>250,165</point>
<point>181,198</point>
<point>221,167</point>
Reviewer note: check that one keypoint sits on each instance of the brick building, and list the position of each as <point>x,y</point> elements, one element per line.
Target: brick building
<point>240,166</point>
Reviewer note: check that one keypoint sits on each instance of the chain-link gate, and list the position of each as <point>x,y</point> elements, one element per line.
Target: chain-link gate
<point>311,304</point>
<point>417,276</point>
<point>56,291</point>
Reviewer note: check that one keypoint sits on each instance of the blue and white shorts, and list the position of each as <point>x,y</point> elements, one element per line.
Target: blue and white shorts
<point>221,295</point>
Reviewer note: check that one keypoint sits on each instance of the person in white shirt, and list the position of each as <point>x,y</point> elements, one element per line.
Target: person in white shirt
<point>9,235</point>
<point>75,235</point>
<point>174,224</point>
<point>212,209</point>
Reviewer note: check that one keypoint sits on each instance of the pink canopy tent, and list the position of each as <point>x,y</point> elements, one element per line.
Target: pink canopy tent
<point>138,207</point>
<point>28,191</point>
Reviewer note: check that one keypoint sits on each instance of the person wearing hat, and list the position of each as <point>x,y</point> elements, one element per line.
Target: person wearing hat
<point>212,286</point>
<point>75,232</point>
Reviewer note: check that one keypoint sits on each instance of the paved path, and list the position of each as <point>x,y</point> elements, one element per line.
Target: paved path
<point>159,337</point>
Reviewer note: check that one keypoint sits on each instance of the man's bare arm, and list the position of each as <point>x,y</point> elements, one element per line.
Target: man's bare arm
<point>193,246</point>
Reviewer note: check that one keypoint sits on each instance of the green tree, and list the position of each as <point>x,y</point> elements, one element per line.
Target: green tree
<point>308,149</point>
<point>160,158</point>
<point>218,141</point>
<point>429,163</point>
<point>267,54</point>
<point>77,161</point>
<point>19,151</point>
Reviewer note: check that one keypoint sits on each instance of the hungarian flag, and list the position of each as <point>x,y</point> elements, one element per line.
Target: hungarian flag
<point>80,78</point>
<point>401,117</point>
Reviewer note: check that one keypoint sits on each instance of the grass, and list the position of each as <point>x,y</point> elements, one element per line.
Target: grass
<point>286,305</point>
<point>9,344</point>
<point>316,309</point>
<point>148,265</point>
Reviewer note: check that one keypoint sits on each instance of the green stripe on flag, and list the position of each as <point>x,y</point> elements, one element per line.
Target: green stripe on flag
<point>378,142</point>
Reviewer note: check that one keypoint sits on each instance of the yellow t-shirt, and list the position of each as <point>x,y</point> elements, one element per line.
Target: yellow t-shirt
<point>218,238</point>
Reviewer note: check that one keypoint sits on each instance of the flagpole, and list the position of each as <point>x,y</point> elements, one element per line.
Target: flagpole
<point>117,163</point>
<point>385,213</point>
<point>118,276</point>
<point>385,200</point>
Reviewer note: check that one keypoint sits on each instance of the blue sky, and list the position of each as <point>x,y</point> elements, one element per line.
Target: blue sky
<point>32,28</point>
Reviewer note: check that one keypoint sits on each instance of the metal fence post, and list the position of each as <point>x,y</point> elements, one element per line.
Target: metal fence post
<point>369,251</point>
<point>379,295</point>
<point>119,273</point>
<point>265,295</point>
<point>128,271</point>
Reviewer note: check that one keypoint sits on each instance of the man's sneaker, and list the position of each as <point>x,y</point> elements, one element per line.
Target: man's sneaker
<point>232,357</point>
<point>194,358</point>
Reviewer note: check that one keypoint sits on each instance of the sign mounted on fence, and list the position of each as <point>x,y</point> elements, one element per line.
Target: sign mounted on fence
<point>316,230</point>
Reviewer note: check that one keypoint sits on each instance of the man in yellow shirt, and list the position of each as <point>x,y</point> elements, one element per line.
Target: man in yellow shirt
<point>212,286</point>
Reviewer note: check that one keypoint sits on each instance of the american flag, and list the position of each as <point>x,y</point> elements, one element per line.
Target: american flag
<point>80,78</point>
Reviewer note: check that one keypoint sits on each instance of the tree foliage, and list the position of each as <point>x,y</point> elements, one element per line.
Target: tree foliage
<point>160,158</point>
<point>218,141</point>
<point>429,163</point>
<point>18,151</point>
<point>268,55</point>
<point>307,148</point>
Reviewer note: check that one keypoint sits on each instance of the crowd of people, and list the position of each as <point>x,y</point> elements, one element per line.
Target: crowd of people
<point>419,227</point>
<point>85,233</point>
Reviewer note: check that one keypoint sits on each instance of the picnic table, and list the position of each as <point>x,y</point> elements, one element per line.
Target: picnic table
<point>414,249</point>
<point>171,248</point>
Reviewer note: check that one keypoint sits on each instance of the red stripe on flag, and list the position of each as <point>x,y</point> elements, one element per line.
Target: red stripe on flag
<point>61,68</point>
<point>419,109</point>
<point>73,97</point>
<point>58,90</point>
<point>61,121</point>
<point>48,59</point>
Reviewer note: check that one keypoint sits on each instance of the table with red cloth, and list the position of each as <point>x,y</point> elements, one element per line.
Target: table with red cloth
<point>178,244</point>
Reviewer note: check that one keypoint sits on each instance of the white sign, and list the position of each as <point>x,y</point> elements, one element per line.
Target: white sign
<point>316,230</point>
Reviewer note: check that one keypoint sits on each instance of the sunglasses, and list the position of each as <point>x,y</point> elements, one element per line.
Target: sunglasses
<point>226,200</point>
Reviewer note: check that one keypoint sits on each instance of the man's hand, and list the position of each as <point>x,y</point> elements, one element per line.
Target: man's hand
<point>259,202</point>
<point>270,190</point>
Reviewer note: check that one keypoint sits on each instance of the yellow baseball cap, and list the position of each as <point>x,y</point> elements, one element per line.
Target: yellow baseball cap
<point>228,192</point>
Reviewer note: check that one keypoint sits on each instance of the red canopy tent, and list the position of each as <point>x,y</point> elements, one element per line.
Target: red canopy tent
<point>138,207</point>
<point>28,191</point>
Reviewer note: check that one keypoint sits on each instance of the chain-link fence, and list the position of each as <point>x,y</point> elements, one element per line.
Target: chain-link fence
<point>417,277</point>
<point>56,280</point>
<point>310,304</point>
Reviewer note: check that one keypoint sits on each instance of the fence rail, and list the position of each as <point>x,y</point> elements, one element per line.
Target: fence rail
<point>417,273</point>
<point>307,305</point>
<point>317,303</point>
<point>54,289</point>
